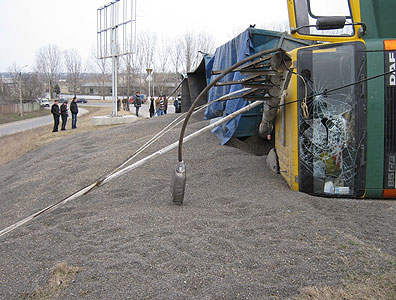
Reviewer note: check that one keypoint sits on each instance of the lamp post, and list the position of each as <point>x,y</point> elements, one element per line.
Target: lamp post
<point>20,91</point>
<point>153,87</point>
<point>149,78</point>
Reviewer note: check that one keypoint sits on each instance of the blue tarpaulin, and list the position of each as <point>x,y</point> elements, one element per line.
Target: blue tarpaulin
<point>225,56</point>
<point>249,42</point>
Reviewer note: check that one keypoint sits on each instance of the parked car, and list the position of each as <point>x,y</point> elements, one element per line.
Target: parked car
<point>44,102</point>
<point>81,100</point>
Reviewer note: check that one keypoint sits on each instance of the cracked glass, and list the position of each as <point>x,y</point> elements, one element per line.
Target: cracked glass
<point>327,144</point>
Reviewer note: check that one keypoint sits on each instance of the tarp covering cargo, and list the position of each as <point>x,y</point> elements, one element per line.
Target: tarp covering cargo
<point>249,42</point>
<point>225,56</point>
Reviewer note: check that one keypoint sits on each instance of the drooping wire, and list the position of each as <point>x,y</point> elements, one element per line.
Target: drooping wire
<point>304,106</point>
<point>326,92</point>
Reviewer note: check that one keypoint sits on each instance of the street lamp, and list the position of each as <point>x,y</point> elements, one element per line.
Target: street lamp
<point>20,91</point>
<point>149,78</point>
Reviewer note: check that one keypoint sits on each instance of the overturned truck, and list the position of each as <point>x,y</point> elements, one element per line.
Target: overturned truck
<point>329,91</point>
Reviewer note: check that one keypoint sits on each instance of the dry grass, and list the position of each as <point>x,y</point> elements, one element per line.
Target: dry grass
<point>5,118</point>
<point>381,287</point>
<point>16,145</point>
<point>59,279</point>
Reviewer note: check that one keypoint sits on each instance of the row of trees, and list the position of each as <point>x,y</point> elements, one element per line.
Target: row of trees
<point>32,86</point>
<point>169,57</point>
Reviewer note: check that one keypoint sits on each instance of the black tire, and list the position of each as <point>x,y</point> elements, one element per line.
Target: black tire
<point>272,161</point>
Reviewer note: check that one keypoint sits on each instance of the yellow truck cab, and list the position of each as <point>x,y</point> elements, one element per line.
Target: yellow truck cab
<point>335,131</point>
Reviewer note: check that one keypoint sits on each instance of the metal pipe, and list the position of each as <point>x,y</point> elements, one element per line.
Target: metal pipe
<point>125,170</point>
<point>205,90</point>
<point>188,138</point>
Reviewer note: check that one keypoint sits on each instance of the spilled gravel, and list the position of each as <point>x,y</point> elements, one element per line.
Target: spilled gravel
<point>240,234</point>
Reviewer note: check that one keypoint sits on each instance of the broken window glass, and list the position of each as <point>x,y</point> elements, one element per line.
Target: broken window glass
<point>327,143</point>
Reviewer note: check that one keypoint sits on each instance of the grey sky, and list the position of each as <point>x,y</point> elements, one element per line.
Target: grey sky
<point>27,25</point>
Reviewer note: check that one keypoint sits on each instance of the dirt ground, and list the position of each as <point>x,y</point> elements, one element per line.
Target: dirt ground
<point>240,234</point>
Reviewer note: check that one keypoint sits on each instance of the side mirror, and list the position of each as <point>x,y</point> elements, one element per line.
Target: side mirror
<point>328,23</point>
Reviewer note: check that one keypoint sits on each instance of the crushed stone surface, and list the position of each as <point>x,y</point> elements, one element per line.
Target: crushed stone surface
<point>241,233</point>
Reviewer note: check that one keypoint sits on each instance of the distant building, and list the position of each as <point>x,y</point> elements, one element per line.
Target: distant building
<point>96,88</point>
<point>63,86</point>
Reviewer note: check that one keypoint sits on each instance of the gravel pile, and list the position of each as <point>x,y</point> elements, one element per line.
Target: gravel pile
<point>240,234</point>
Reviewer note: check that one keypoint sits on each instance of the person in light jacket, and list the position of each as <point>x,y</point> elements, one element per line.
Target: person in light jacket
<point>159,105</point>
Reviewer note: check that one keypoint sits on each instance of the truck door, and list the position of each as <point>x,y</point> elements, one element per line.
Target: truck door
<point>325,20</point>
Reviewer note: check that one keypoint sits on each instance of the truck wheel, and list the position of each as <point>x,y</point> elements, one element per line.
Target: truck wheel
<point>272,161</point>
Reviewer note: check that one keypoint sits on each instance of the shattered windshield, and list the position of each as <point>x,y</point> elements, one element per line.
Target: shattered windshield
<point>328,147</point>
<point>308,11</point>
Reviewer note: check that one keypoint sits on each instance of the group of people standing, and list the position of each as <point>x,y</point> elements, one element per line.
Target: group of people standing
<point>63,113</point>
<point>158,106</point>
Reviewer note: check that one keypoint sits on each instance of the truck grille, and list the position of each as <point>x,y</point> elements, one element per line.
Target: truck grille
<point>390,120</point>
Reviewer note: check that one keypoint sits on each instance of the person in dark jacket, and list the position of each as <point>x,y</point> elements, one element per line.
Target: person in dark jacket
<point>137,102</point>
<point>177,104</point>
<point>151,109</point>
<point>165,105</point>
<point>64,114</point>
<point>55,112</point>
<point>74,112</point>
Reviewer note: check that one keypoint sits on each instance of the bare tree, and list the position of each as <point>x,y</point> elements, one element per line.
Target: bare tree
<point>280,25</point>
<point>144,58</point>
<point>176,55</point>
<point>32,86</point>
<point>49,63</point>
<point>3,90</point>
<point>130,71</point>
<point>189,50</point>
<point>162,62</point>
<point>146,45</point>
<point>74,68</point>
<point>29,84</point>
<point>101,68</point>
<point>163,54</point>
<point>13,84</point>
<point>205,42</point>
<point>191,45</point>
